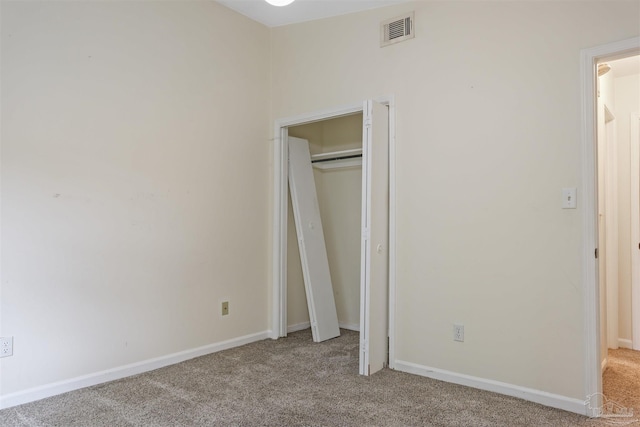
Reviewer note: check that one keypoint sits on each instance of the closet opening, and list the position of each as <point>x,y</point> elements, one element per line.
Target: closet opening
<point>348,158</point>
<point>335,146</point>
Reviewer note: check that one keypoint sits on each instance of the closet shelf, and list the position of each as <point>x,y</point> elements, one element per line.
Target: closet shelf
<point>337,164</point>
<point>337,159</point>
<point>337,155</point>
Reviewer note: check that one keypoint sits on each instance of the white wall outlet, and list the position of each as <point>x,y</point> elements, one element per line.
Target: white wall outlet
<point>458,332</point>
<point>225,308</point>
<point>6,346</point>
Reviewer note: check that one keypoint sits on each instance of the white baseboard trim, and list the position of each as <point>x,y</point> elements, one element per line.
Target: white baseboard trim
<point>542,397</point>
<point>350,326</point>
<point>625,343</point>
<point>603,365</point>
<point>298,327</point>
<point>48,390</point>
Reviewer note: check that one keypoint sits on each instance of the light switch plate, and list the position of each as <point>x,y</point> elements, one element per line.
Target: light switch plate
<point>569,198</point>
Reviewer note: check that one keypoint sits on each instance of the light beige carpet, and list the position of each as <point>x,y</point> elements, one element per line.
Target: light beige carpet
<point>621,378</point>
<point>288,382</point>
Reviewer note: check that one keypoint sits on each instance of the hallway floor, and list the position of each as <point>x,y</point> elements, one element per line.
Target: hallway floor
<point>621,378</point>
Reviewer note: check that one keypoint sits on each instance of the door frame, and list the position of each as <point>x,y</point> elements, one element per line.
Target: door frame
<point>634,127</point>
<point>588,205</point>
<point>610,253</point>
<point>280,213</point>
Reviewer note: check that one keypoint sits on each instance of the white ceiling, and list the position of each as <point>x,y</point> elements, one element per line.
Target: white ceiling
<point>625,67</point>
<point>301,10</point>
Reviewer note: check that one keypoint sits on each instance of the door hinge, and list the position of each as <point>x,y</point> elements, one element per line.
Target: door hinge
<point>596,253</point>
<point>366,233</point>
<point>364,344</point>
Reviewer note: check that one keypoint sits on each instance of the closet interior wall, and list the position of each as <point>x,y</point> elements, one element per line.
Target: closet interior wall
<point>340,199</point>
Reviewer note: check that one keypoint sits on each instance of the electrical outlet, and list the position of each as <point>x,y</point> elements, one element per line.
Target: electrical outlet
<point>458,332</point>
<point>225,308</point>
<point>6,346</point>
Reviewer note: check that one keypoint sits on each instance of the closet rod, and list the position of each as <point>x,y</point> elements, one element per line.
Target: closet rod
<point>331,159</point>
<point>336,155</point>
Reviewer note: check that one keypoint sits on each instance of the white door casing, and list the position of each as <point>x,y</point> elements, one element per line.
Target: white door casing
<point>635,229</point>
<point>589,58</point>
<point>280,217</point>
<point>610,193</point>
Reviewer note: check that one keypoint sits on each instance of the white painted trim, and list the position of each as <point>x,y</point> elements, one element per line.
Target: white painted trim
<point>279,286</point>
<point>392,232</point>
<point>634,122</point>
<point>624,343</point>
<point>538,396</point>
<point>330,113</point>
<point>365,247</point>
<point>604,364</point>
<point>588,60</point>
<point>280,222</point>
<point>610,253</point>
<point>48,390</point>
<point>588,207</point>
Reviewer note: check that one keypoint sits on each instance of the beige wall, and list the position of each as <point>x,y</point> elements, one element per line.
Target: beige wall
<point>488,110</point>
<point>135,183</point>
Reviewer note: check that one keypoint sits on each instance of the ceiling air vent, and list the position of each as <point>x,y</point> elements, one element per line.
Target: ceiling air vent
<point>397,29</point>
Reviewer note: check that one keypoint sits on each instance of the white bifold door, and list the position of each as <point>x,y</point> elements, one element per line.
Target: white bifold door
<point>374,275</point>
<point>313,253</point>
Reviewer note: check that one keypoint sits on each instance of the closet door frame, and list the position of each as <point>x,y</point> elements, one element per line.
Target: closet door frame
<point>280,213</point>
